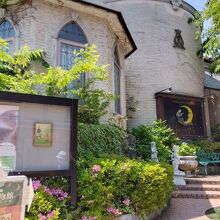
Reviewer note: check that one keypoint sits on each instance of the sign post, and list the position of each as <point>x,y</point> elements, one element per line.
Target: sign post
<point>15,194</point>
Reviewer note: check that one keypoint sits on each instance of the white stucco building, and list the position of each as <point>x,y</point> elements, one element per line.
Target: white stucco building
<point>166,55</point>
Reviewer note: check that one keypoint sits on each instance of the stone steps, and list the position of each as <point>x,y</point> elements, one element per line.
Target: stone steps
<point>202,181</point>
<point>198,188</point>
<point>196,194</point>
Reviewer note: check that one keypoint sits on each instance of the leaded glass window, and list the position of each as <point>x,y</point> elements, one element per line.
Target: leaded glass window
<point>71,38</point>
<point>117,81</point>
<point>7,32</point>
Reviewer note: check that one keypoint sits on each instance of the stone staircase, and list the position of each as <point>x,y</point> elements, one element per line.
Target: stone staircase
<point>197,188</point>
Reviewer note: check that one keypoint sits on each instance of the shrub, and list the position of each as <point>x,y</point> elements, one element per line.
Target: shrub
<point>100,139</point>
<point>207,144</point>
<point>188,149</point>
<point>160,133</point>
<point>48,203</point>
<point>110,186</point>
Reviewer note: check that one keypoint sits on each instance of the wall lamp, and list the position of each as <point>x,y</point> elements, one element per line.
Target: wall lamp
<point>168,90</point>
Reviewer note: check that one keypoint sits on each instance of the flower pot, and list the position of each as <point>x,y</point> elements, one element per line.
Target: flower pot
<point>188,164</point>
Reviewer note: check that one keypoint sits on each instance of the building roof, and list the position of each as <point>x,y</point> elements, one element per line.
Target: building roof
<point>211,83</point>
<point>120,19</point>
<point>186,6</point>
<point>113,17</point>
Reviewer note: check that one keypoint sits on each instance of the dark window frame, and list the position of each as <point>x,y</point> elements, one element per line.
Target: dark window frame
<point>73,105</point>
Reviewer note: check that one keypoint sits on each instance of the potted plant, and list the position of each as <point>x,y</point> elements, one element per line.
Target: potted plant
<point>188,158</point>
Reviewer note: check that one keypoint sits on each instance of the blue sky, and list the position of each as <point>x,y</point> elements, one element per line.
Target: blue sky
<point>197,4</point>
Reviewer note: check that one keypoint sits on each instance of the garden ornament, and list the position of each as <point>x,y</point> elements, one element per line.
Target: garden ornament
<point>153,152</point>
<point>178,175</point>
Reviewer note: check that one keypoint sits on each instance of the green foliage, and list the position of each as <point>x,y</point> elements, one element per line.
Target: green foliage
<point>210,36</point>
<point>16,76</point>
<point>208,144</point>
<point>216,133</point>
<point>188,149</point>
<point>161,134</point>
<point>99,139</point>
<point>48,203</point>
<point>106,183</point>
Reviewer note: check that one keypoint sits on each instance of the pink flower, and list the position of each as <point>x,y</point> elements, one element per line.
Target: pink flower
<point>51,214</point>
<point>96,168</point>
<point>124,166</point>
<point>114,211</point>
<point>126,202</point>
<point>42,217</point>
<point>84,218</point>
<point>36,184</point>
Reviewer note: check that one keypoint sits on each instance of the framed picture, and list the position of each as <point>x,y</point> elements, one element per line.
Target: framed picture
<point>42,134</point>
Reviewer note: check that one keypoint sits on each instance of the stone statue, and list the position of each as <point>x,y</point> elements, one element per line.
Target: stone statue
<point>153,152</point>
<point>176,4</point>
<point>178,175</point>
<point>176,160</point>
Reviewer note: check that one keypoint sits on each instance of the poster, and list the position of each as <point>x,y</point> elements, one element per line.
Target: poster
<point>8,135</point>
<point>11,200</point>
<point>185,117</point>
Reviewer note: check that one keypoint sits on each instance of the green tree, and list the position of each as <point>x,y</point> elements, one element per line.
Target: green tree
<point>16,76</point>
<point>210,35</point>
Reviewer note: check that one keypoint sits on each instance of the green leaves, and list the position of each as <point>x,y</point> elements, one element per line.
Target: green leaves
<point>211,35</point>
<point>161,134</point>
<point>16,76</point>
<point>147,186</point>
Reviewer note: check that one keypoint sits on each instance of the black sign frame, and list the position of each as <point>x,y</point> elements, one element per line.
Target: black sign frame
<point>47,100</point>
<point>161,112</point>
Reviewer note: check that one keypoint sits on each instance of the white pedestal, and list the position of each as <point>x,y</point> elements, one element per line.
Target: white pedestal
<point>178,179</point>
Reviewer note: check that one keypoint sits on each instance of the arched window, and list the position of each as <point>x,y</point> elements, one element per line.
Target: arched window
<point>7,32</point>
<point>71,37</point>
<point>117,81</point>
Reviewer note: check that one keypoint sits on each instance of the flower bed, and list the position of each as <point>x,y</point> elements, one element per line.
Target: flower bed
<point>110,187</point>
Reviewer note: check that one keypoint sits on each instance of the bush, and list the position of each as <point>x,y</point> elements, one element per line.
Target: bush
<point>48,203</point>
<point>100,139</point>
<point>188,149</point>
<point>207,144</point>
<point>216,133</point>
<point>160,133</point>
<point>110,186</point>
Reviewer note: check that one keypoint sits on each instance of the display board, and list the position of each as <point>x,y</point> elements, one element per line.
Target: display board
<point>184,114</point>
<point>38,135</point>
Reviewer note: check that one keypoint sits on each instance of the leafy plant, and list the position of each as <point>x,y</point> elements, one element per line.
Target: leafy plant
<point>100,139</point>
<point>16,76</point>
<point>161,134</point>
<point>48,203</point>
<point>188,149</point>
<point>210,36</point>
<point>111,185</point>
<point>216,132</point>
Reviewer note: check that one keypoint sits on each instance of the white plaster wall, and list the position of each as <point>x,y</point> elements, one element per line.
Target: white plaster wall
<point>156,65</point>
<point>39,27</point>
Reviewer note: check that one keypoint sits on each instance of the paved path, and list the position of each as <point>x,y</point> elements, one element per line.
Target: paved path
<point>188,209</point>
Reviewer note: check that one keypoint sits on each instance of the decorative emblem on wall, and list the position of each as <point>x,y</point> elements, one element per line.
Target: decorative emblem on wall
<point>187,120</point>
<point>176,4</point>
<point>178,40</point>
